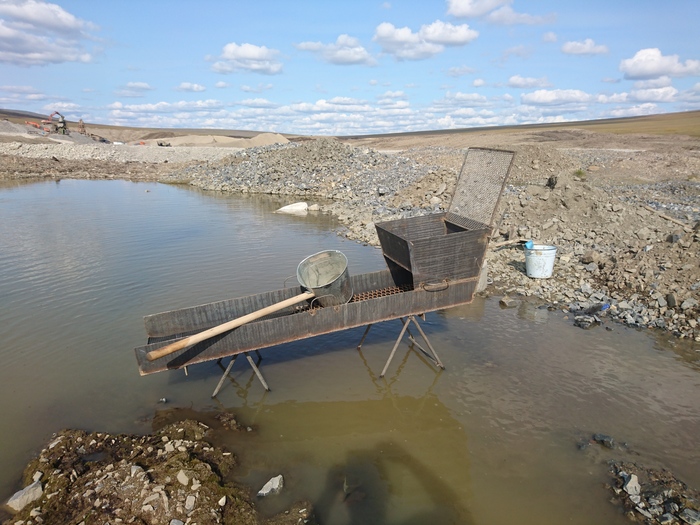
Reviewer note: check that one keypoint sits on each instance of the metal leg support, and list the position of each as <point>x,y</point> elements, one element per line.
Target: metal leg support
<point>364,336</point>
<point>396,345</point>
<point>230,366</point>
<point>434,357</point>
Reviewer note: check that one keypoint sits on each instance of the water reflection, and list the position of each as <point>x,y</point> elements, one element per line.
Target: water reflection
<point>373,461</point>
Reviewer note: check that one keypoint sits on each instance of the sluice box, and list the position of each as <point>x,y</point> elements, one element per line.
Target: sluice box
<point>433,262</point>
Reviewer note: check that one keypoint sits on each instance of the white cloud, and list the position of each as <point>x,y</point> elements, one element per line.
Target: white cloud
<point>324,106</point>
<point>189,86</point>
<point>650,63</point>
<point>139,86</point>
<point>257,103</point>
<point>248,57</point>
<point>549,37</point>
<point>652,83</point>
<point>256,89</point>
<point>519,51</point>
<point>555,97</point>
<point>24,90</point>
<point>516,81</point>
<point>479,82</point>
<point>346,50</point>
<point>444,33</point>
<point>430,39</point>
<point>37,33</point>
<point>221,84</point>
<point>587,47</point>
<point>662,94</point>
<point>506,16</point>
<point>134,90</point>
<point>459,71</point>
<point>165,107</point>
<point>460,99</point>
<point>635,111</point>
<point>615,98</point>
<point>473,8</point>
<point>394,94</point>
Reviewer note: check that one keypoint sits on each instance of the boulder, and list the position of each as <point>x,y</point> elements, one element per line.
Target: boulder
<point>272,487</point>
<point>24,497</point>
<point>298,208</point>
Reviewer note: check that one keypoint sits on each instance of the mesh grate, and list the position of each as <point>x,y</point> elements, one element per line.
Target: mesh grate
<point>384,292</point>
<point>479,186</point>
<point>362,296</point>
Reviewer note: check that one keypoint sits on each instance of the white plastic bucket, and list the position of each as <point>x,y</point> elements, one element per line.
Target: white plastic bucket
<point>539,260</point>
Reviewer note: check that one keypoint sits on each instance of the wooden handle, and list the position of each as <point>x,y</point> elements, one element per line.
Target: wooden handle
<point>230,325</point>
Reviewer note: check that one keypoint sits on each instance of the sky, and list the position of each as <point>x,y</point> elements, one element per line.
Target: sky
<point>348,67</point>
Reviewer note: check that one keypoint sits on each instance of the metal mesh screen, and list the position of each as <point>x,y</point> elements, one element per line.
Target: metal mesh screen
<point>479,186</point>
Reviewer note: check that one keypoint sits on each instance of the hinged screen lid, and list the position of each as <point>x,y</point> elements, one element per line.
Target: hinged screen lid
<point>479,187</point>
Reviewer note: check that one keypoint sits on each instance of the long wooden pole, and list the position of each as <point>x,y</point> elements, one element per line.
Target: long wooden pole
<point>230,325</point>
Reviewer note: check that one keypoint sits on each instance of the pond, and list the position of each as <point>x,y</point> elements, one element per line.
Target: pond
<point>492,439</point>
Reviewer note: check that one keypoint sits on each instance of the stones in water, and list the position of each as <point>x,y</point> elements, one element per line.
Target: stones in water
<point>273,486</point>
<point>24,497</point>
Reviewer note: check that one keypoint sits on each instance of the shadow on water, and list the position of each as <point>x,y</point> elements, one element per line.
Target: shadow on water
<point>374,461</point>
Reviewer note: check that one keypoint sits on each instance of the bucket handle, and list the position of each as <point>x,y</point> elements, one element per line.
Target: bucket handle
<point>284,284</point>
<point>435,287</point>
<point>311,305</point>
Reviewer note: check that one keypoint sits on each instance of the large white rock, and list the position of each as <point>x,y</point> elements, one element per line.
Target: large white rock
<point>24,497</point>
<point>272,487</point>
<point>298,208</point>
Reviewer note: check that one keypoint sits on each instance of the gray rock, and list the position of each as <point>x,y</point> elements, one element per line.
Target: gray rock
<point>671,300</point>
<point>631,485</point>
<point>605,440</point>
<point>667,519</point>
<point>585,321</point>
<point>507,302</point>
<point>24,497</point>
<point>272,487</point>
<point>689,303</point>
<point>690,516</point>
<point>586,289</point>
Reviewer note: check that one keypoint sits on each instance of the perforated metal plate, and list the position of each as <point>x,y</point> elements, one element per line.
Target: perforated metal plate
<point>479,186</point>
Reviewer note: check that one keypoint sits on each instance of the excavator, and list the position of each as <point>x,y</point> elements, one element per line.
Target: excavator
<point>51,126</point>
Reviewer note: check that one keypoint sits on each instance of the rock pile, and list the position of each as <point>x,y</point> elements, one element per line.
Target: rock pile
<point>172,477</point>
<point>655,497</point>
<point>643,263</point>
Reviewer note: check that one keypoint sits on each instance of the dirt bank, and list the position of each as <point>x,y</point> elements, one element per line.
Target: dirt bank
<point>174,476</point>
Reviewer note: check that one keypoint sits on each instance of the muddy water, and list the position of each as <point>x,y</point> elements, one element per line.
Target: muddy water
<point>492,439</point>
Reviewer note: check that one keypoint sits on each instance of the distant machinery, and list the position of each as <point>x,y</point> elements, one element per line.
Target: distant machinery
<point>58,126</point>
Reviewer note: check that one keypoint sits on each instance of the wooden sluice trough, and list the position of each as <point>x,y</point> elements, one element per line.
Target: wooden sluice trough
<point>434,262</point>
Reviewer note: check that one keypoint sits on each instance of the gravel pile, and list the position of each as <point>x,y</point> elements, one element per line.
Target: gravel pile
<point>120,153</point>
<point>363,185</point>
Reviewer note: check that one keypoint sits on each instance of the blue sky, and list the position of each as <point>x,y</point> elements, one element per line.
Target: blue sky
<point>348,67</point>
